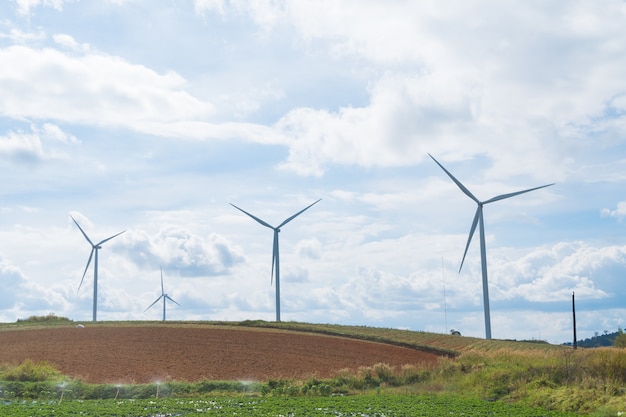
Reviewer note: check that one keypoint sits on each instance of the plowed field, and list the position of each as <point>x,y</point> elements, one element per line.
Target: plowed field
<point>147,354</point>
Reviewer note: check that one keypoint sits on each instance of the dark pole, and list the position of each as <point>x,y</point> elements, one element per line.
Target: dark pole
<point>574,316</point>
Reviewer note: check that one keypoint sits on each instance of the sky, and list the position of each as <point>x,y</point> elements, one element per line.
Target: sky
<point>153,117</point>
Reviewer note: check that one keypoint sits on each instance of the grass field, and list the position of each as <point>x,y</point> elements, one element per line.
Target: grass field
<point>527,374</point>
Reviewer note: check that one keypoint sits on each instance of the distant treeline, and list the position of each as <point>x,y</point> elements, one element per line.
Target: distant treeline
<point>606,339</point>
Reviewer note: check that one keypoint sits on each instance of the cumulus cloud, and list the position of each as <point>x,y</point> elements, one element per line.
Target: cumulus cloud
<point>21,297</point>
<point>619,212</point>
<point>12,283</point>
<point>21,147</point>
<point>177,249</point>
<point>38,145</point>
<point>95,89</point>
<point>552,273</point>
<point>448,82</point>
<point>406,117</point>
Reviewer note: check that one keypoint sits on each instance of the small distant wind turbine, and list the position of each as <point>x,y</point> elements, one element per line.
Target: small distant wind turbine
<point>163,296</point>
<point>275,252</point>
<point>478,219</point>
<point>94,248</point>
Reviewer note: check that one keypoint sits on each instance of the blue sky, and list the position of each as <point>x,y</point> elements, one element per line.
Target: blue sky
<point>151,117</point>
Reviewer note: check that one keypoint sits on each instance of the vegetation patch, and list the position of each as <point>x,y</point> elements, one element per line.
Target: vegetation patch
<point>389,405</point>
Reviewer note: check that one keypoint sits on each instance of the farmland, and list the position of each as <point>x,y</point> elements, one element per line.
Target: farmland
<point>380,405</point>
<point>291,363</point>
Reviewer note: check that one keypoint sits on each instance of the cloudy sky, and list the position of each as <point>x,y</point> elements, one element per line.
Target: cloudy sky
<point>152,116</point>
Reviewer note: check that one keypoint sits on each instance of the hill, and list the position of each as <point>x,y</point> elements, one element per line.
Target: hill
<point>126,352</point>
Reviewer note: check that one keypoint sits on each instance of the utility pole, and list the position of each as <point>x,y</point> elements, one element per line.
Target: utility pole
<point>574,317</point>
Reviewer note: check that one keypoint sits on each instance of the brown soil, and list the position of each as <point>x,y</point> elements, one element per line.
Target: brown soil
<point>149,354</point>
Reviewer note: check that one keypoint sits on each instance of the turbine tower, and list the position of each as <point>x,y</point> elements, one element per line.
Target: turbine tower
<point>163,296</point>
<point>94,248</point>
<point>275,252</point>
<point>478,219</point>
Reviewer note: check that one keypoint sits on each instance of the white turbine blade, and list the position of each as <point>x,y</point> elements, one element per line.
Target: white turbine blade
<point>509,195</point>
<point>109,238</point>
<point>155,301</point>
<point>87,267</point>
<point>254,217</point>
<point>171,299</point>
<point>457,182</point>
<point>296,215</point>
<point>274,254</point>
<point>471,234</point>
<point>162,289</point>
<point>82,231</point>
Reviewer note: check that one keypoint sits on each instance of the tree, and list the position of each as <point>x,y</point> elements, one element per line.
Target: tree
<point>620,339</point>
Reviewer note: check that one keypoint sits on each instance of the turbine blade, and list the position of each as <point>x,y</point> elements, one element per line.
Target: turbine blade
<point>254,217</point>
<point>296,215</point>
<point>274,255</point>
<point>471,234</point>
<point>457,182</point>
<point>162,289</point>
<point>509,195</point>
<point>109,238</point>
<point>171,299</point>
<point>82,231</point>
<point>87,267</point>
<point>155,301</point>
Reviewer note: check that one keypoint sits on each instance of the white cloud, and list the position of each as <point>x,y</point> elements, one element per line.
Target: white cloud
<point>310,248</point>
<point>54,132</point>
<point>553,273</point>
<point>407,116</point>
<point>95,89</point>
<point>446,81</point>
<point>619,212</point>
<point>21,147</point>
<point>20,37</point>
<point>67,41</point>
<point>177,249</point>
<point>12,283</point>
<point>25,7</point>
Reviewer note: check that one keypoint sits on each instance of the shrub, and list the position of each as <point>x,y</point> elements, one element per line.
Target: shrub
<point>50,317</point>
<point>384,373</point>
<point>409,375</point>
<point>28,371</point>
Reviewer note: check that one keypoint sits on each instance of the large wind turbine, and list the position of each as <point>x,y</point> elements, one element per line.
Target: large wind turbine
<point>478,219</point>
<point>94,248</point>
<point>163,296</point>
<point>275,254</point>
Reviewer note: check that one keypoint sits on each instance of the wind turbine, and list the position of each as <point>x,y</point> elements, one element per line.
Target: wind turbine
<point>164,296</point>
<point>94,248</point>
<point>275,252</point>
<point>478,219</point>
